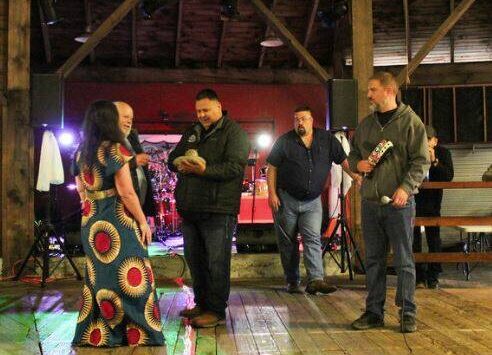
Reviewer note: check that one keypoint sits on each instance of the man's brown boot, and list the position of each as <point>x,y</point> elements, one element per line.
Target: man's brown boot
<point>191,312</point>
<point>207,320</point>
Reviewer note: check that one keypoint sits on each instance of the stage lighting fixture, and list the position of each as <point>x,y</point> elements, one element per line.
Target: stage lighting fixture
<point>332,15</point>
<point>66,138</point>
<point>271,42</point>
<point>149,7</point>
<point>263,140</point>
<point>229,8</point>
<point>49,12</point>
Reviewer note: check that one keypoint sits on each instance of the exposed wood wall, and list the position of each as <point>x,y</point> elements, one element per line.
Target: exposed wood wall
<point>17,144</point>
<point>3,80</point>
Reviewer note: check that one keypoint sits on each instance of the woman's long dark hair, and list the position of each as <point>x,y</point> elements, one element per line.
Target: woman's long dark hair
<point>100,124</point>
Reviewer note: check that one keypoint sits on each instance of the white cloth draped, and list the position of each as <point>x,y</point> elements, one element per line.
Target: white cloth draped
<point>336,178</point>
<point>50,163</point>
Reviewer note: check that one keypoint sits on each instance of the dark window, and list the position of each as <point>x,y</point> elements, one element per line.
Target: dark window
<point>415,98</point>
<point>469,112</point>
<point>442,114</point>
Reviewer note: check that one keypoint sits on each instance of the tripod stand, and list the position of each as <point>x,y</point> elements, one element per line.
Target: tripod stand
<point>44,230</point>
<point>345,261</point>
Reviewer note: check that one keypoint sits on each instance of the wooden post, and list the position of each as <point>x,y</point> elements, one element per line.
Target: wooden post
<point>362,62</point>
<point>17,139</point>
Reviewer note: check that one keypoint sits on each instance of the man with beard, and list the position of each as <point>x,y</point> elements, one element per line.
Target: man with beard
<point>398,176</point>
<point>298,166</point>
<point>139,164</point>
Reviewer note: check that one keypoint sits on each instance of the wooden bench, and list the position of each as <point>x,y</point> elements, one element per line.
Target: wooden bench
<point>463,222</point>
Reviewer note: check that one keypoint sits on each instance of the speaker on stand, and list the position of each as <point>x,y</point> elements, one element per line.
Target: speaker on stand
<point>342,104</point>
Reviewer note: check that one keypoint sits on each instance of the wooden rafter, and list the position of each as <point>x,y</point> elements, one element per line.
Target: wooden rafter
<point>178,34</point>
<point>220,49</point>
<point>451,33</point>
<point>46,35</point>
<point>309,27</point>
<point>290,40</point>
<point>267,33</point>
<point>88,24</point>
<point>134,38</point>
<point>445,27</point>
<point>106,27</point>
<point>408,38</point>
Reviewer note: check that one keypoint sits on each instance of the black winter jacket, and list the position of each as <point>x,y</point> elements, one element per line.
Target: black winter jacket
<point>225,148</point>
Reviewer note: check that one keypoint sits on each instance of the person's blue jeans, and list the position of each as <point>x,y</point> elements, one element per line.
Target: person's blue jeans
<point>207,249</point>
<point>302,217</point>
<point>384,226</point>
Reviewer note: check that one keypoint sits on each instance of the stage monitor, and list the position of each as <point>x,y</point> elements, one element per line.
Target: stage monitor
<point>47,100</point>
<point>342,103</point>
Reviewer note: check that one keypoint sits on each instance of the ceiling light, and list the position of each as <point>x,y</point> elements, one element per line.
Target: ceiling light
<point>82,38</point>
<point>272,42</point>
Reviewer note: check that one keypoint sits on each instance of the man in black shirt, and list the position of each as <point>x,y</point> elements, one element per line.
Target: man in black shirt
<point>298,166</point>
<point>428,204</point>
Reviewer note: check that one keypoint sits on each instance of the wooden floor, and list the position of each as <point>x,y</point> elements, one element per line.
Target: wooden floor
<point>261,319</point>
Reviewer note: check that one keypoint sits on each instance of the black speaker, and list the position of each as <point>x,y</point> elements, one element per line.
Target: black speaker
<point>47,100</point>
<point>342,103</point>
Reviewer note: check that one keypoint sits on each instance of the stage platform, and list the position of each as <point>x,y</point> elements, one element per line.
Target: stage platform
<point>262,319</point>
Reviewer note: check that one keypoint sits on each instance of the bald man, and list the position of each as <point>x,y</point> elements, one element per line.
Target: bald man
<point>138,165</point>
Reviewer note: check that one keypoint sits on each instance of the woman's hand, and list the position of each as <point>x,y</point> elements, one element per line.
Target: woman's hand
<point>146,234</point>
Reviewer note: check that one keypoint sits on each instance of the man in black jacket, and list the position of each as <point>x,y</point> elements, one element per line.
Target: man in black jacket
<point>212,157</point>
<point>139,164</point>
<point>428,204</point>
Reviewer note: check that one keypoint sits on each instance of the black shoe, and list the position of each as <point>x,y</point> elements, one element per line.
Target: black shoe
<point>191,312</point>
<point>408,324</point>
<point>293,287</point>
<point>433,284</point>
<point>320,286</point>
<point>368,320</point>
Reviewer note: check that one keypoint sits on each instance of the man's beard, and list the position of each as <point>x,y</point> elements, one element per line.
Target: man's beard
<point>373,107</point>
<point>301,131</point>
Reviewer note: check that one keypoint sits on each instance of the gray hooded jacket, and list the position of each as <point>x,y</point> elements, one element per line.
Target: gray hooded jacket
<point>407,164</point>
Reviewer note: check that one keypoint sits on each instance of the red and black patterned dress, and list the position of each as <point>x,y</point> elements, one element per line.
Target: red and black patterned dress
<point>119,304</point>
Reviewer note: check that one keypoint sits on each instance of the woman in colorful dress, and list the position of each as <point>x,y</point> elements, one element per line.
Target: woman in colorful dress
<point>119,304</point>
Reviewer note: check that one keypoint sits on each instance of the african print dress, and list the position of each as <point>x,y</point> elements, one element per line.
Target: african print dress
<point>119,304</point>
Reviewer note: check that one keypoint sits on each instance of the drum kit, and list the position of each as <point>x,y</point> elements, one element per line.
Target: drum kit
<point>163,182</point>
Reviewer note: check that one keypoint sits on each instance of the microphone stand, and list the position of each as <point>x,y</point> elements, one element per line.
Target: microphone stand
<point>253,167</point>
<point>345,235</point>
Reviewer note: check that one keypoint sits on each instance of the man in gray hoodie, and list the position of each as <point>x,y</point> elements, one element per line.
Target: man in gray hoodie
<point>396,179</point>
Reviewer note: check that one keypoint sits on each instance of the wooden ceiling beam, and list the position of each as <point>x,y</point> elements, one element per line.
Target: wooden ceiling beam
<point>309,27</point>
<point>103,30</point>
<point>459,11</point>
<point>88,24</point>
<point>408,38</point>
<point>133,31</point>
<point>290,40</point>
<point>178,34</point>
<point>267,33</point>
<point>46,35</point>
<point>220,50</point>
<point>204,75</point>
<point>451,33</point>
